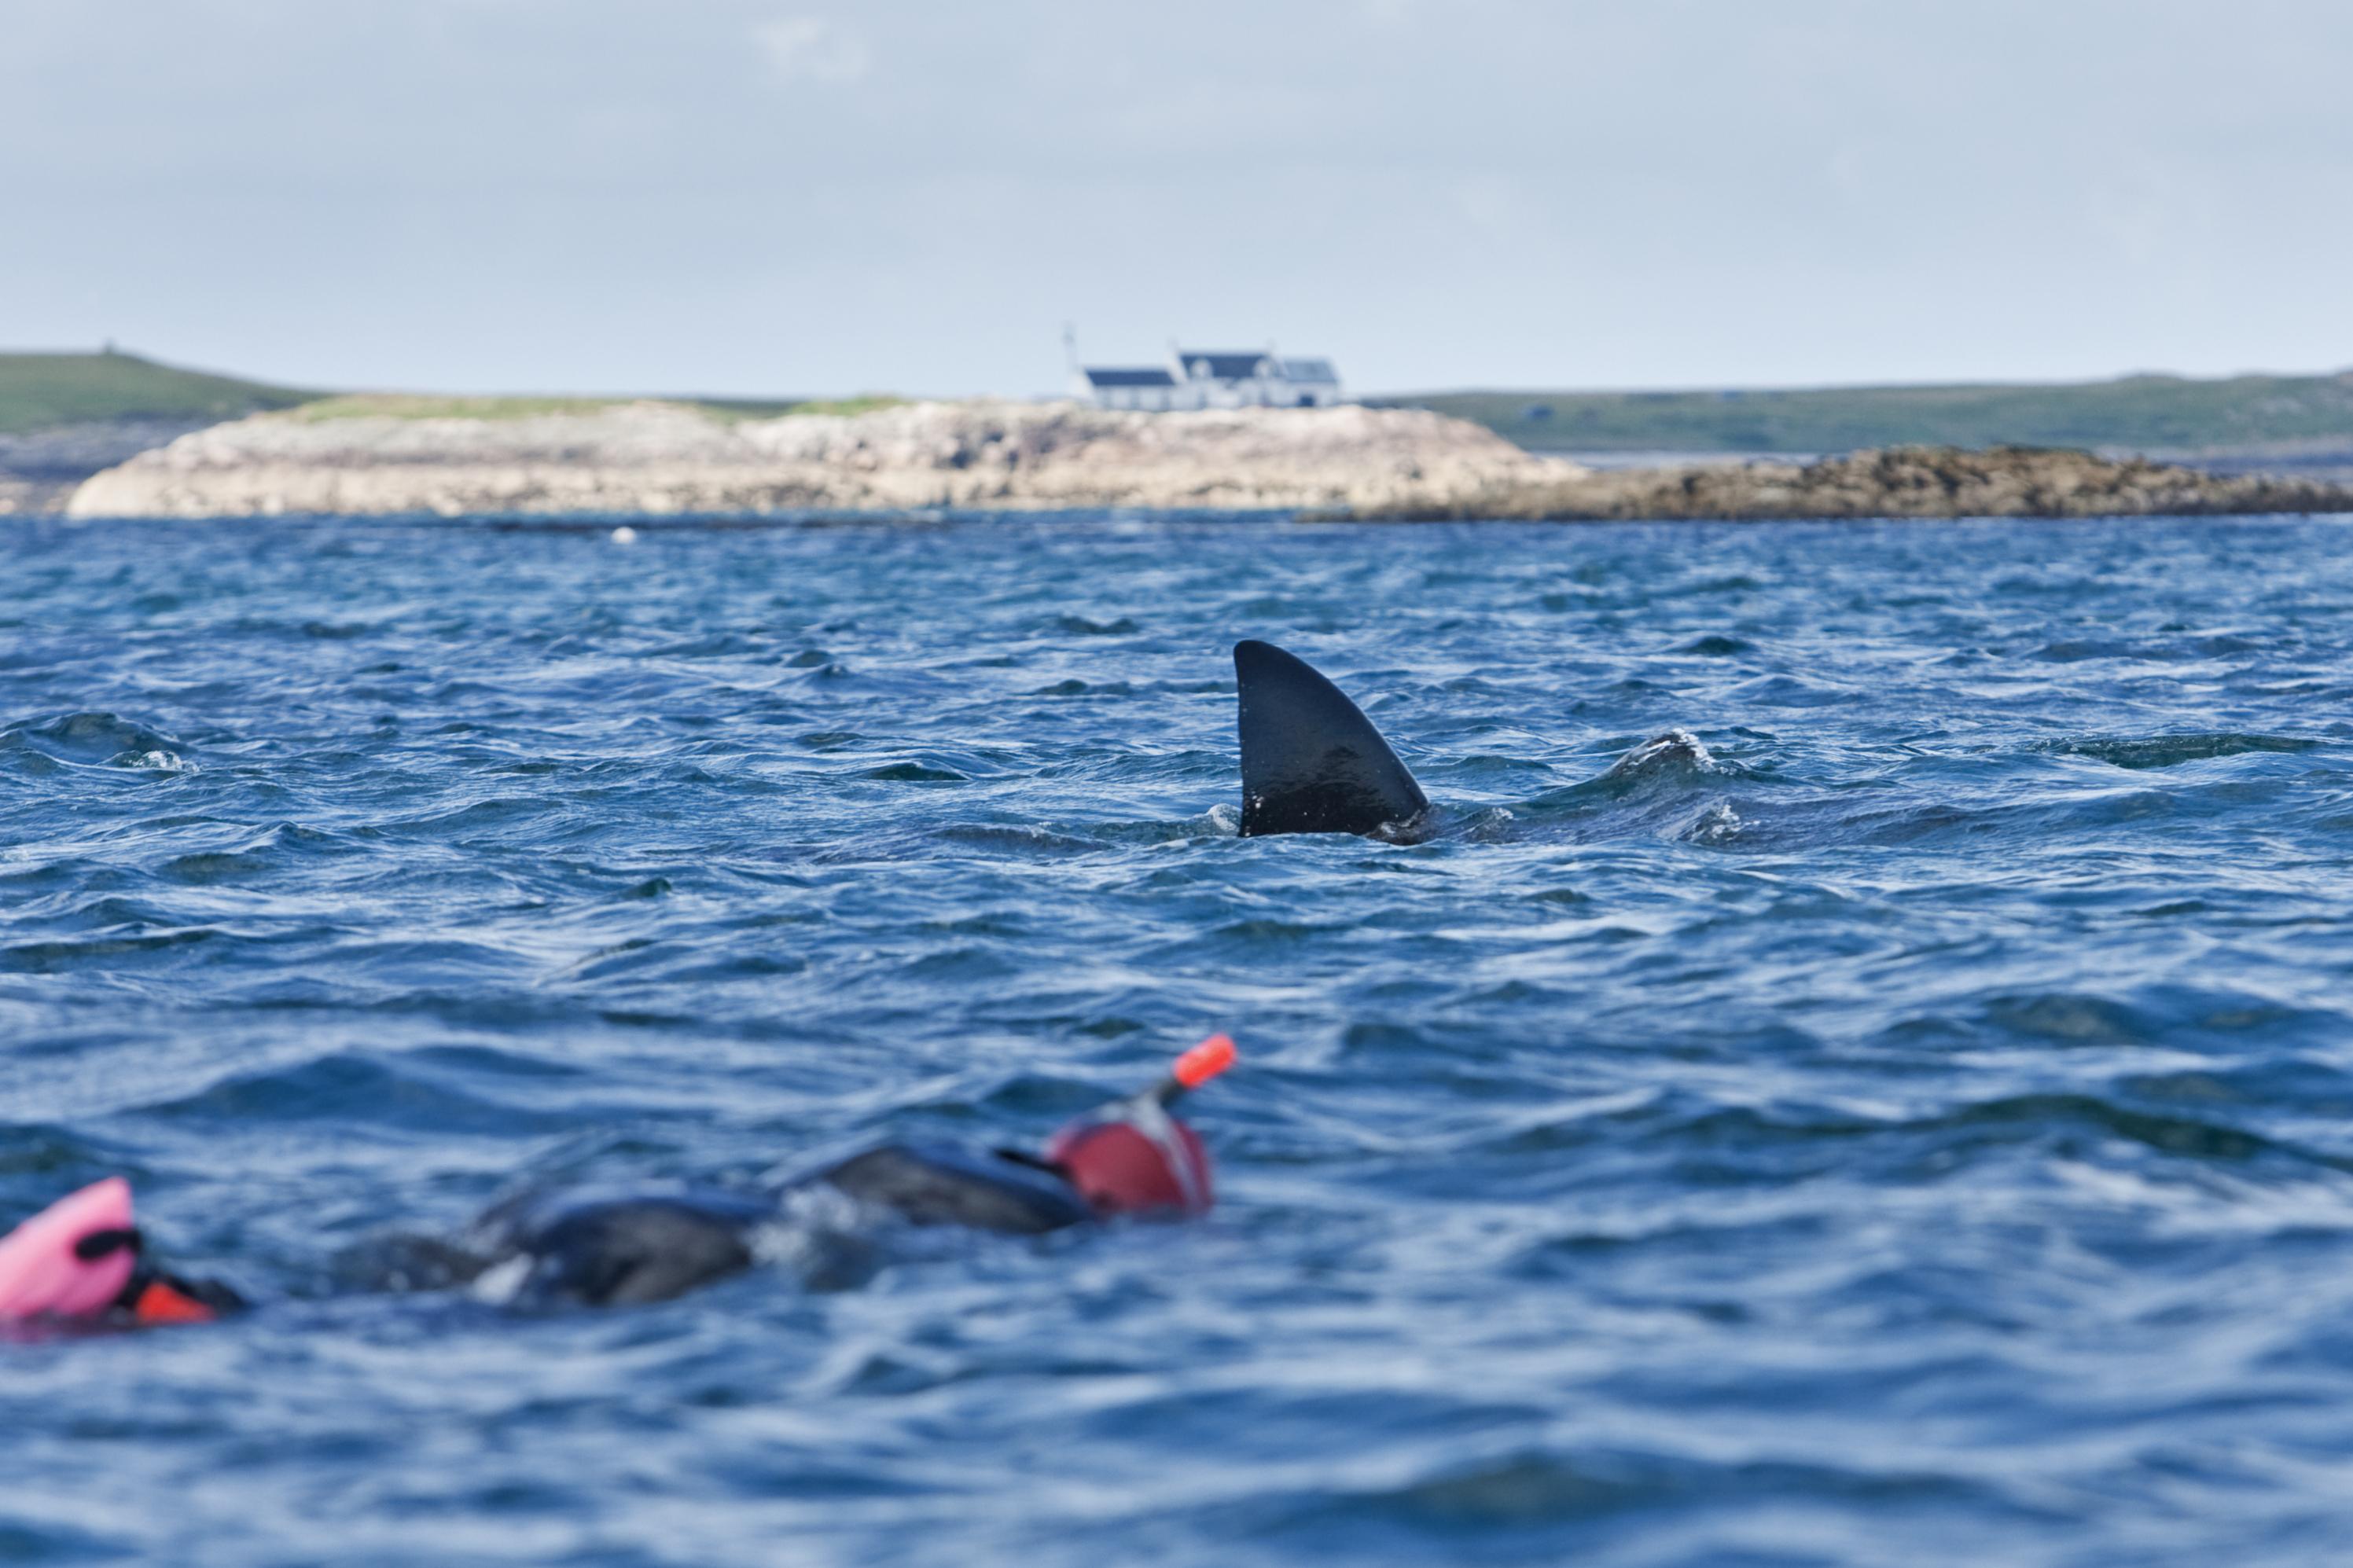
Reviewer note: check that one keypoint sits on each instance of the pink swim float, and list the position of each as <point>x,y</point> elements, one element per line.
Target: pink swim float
<point>41,1273</point>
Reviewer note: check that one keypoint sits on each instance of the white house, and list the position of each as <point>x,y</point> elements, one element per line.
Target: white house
<point>1211,378</point>
<point>1144,386</point>
<point>1313,382</point>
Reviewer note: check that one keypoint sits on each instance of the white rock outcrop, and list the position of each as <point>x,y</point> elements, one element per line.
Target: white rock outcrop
<point>667,458</point>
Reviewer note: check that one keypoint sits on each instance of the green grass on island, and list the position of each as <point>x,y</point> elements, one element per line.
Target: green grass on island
<point>425,405</point>
<point>45,391</point>
<point>2139,413</point>
<point>735,408</point>
<point>40,392</point>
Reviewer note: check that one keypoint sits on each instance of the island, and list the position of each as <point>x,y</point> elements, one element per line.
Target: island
<point>455,457</point>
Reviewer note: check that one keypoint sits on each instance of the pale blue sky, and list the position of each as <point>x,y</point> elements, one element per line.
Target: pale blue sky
<point>804,197</point>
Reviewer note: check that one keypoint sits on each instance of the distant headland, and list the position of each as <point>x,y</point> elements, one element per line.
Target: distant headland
<point>2289,419</point>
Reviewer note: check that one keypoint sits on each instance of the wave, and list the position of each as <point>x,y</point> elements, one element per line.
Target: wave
<point>1715,644</point>
<point>91,740</point>
<point>411,1092</point>
<point>1675,753</point>
<point>2004,1120</point>
<point>1668,767</point>
<point>2142,752</point>
<point>915,772</point>
<point>107,954</point>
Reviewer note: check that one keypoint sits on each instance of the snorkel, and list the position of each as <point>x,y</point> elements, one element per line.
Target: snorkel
<point>1132,1156</point>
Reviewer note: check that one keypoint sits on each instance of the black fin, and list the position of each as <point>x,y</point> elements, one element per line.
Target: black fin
<point>1312,763</point>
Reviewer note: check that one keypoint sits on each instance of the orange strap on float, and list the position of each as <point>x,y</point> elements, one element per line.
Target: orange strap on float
<point>160,1303</point>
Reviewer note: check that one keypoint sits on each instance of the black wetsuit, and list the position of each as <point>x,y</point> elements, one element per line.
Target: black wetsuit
<point>608,1249</point>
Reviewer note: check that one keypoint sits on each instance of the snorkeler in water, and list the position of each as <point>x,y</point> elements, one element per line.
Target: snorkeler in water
<point>1129,1157</point>
<point>82,1259</point>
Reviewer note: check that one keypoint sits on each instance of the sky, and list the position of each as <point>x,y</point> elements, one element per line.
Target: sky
<point>796,197</point>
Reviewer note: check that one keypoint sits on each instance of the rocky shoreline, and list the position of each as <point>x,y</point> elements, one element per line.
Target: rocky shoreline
<point>666,459</point>
<point>1901,482</point>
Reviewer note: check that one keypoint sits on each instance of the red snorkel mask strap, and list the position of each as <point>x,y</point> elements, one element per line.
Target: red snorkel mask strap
<point>1188,1162</point>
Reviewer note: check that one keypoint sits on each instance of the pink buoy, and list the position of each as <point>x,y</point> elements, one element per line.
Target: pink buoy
<point>42,1275</point>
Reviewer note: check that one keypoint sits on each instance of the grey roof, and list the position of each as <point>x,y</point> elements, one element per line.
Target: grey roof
<point>1314,370</point>
<point>1225,365</point>
<point>1143,376</point>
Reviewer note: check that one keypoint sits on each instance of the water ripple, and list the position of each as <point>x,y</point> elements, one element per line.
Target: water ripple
<point>1855,1071</point>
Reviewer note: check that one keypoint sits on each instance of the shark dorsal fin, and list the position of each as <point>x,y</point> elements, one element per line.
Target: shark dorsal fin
<point>1312,762</point>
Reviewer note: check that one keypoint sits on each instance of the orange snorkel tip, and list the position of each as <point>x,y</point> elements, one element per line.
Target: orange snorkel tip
<point>1204,1061</point>
<point>1194,1068</point>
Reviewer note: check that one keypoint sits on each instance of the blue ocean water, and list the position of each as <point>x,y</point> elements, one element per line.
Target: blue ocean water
<point>1917,1130</point>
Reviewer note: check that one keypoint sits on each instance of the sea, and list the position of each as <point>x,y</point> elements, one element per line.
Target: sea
<point>1912,1124</point>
